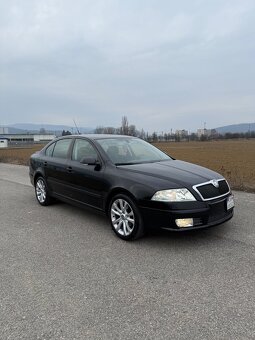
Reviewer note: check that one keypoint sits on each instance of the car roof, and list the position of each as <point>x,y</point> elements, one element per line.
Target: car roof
<point>99,136</point>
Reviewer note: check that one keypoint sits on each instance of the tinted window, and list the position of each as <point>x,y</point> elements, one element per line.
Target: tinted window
<point>49,150</point>
<point>61,148</point>
<point>82,148</point>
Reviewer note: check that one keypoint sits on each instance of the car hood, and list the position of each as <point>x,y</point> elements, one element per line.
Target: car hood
<point>173,173</point>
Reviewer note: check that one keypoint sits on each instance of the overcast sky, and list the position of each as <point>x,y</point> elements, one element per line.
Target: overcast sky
<point>164,64</point>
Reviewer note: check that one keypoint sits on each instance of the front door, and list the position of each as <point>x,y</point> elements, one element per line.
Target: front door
<point>87,181</point>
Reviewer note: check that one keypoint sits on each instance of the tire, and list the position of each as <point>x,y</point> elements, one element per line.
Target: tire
<point>41,192</point>
<point>125,218</point>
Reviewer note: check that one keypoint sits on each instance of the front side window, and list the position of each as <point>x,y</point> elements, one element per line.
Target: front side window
<point>61,148</point>
<point>83,149</point>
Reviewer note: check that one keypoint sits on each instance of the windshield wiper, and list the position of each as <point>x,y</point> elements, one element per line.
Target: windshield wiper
<point>144,162</point>
<point>129,163</point>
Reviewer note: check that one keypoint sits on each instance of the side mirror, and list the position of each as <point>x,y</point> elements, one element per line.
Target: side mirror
<point>91,161</point>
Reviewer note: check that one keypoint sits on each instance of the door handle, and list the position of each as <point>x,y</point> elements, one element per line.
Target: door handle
<point>69,169</point>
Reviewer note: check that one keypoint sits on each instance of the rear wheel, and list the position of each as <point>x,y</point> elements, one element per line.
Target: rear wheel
<point>41,192</point>
<point>125,218</point>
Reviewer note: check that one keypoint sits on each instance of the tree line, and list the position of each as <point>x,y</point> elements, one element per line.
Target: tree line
<point>131,130</point>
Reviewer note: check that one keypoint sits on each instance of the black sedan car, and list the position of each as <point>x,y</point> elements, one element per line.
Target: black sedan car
<point>135,184</point>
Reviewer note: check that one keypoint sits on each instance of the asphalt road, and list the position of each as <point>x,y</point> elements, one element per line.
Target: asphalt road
<point>65,275</point>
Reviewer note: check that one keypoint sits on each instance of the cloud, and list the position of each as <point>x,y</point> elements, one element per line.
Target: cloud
<point>228,19</point>
<point>36,28</point>
<point>162,63</point>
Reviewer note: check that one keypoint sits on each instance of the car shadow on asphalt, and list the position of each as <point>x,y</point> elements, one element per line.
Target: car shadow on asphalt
<point>153,237</point>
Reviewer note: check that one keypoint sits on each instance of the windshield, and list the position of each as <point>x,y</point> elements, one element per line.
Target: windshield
<point>123,151</point>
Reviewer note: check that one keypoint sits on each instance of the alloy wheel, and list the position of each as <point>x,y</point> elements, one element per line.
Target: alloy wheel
<point>41,192</point>
<point>122,217</point>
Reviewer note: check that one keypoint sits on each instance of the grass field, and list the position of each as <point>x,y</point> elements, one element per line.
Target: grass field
<point>18,155</point>
<point>234,159</point>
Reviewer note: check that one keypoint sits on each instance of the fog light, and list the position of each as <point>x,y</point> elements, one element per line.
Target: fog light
<point>184,222</point>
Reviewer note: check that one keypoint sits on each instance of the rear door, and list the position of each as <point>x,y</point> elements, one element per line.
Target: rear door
<point>55,166</point>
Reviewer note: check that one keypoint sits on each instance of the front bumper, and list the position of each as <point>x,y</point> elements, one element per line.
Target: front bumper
<point>204,214</point>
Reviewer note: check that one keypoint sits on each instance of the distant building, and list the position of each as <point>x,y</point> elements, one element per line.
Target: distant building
<point>27,138</point>
<point>4,130</point>
<point>182,133</point>
<point>3,142</point>
<point>203,132</point>
<point>206,132</point>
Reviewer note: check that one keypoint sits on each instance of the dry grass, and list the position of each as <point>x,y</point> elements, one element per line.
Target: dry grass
<point>234,159</point>
<point>18,155</point>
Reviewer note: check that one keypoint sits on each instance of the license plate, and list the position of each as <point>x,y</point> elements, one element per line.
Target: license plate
<point>230,202</point>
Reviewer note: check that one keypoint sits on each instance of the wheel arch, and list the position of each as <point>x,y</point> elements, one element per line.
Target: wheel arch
<point>39,173</point>
<point>114,192</point>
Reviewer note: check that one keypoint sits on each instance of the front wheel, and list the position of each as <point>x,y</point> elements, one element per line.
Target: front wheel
<point>125,218</point>
<point>41,192</point>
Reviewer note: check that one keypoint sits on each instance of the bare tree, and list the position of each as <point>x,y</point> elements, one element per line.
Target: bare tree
<point>99,129</point>
<point>154,137</point>
<point>109,130</point>
<point>124,125</point>
<point>132,130</point>
<point>42,131</point>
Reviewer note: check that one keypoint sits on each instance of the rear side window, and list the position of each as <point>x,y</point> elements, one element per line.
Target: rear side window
<point>49,150</point>
<point>61,148</point>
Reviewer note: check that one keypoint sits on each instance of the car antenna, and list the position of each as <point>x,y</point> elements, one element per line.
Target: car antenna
<point>76,127</point>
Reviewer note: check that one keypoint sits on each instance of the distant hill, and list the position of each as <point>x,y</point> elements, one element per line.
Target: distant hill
<point>236,128</point>
<point>26,127</point>
<point>13,130</point>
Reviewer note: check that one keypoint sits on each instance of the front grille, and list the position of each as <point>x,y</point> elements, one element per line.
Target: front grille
<point>209,191</point>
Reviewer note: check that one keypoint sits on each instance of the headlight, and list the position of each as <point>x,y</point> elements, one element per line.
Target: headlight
<point>173,195</point>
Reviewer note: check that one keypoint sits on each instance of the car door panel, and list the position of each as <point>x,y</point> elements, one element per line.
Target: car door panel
<point>87,182</point>
<point>55,167</point>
